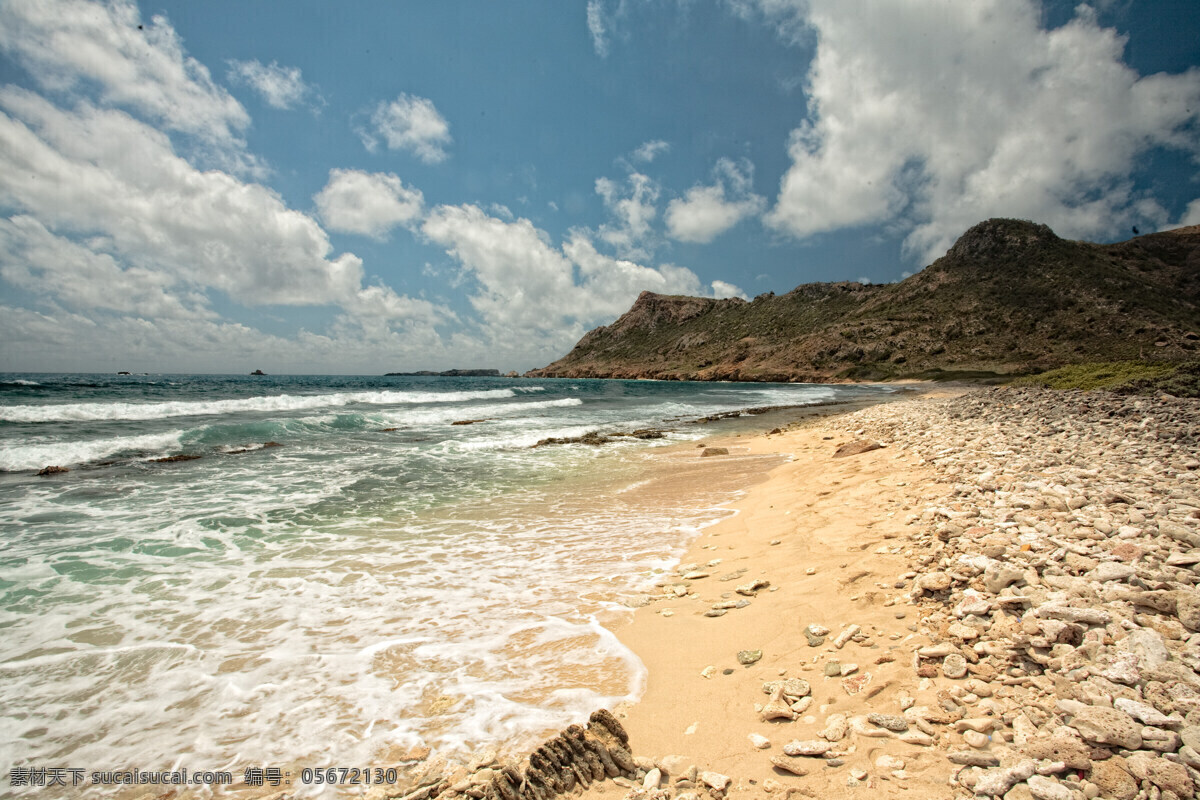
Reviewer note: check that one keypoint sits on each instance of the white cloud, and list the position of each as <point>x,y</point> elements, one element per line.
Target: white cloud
<point>116,187</point>
<point>597,27</point>
<point>410,123</point>
<point>722,289</point>
<point>54,267</point>
<point>536,299</point>
<point>991,116</point>
<point>370,204</point>
<point>281,87</point>
<point>648,151</point>
<point>633,206</point>
<point>1191,216</point>
<point>106,49</point>
<point>706,212</point>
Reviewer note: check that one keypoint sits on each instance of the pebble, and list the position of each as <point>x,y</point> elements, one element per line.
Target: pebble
<point>748,657</point>
<point>759,741</point>
<point>888,721</point>
<point>715,780</point>
<point>811,747</point>
<point>845,636</point>
<point>954,666</point>
<point>977,740</point>
<point>792,765</point>
<point>1045,788</point>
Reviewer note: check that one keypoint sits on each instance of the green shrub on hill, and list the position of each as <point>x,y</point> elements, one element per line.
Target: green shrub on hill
<point>1126,377</point>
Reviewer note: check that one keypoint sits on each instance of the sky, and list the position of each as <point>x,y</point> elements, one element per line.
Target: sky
<point>356,188</point>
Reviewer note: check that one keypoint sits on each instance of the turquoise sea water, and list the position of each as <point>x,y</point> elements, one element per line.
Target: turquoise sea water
<point>374,578</point>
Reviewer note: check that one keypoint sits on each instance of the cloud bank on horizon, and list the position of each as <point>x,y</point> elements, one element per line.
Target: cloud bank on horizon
<point>318,213</point>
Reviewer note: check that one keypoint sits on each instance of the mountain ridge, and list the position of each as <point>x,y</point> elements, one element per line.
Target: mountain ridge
<point>1009,297</point>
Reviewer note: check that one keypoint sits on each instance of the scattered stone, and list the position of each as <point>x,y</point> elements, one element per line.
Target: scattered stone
<point>777,707</point>
<point>715,781</point>
<point>856,683</point>
<point>1107,726</point>
<point>954,666</point>
<point>934,582</point>
<point>836,728</point>
<point>855,448</point>
<point>759,741</point>
<point>1045,788</point>
<point>976,739</point>
<point>792,765</point>
<point>891,722</point>
<point>811,747</point>
<point>996,782</point>
<point>973,758</point>
<point>1114,779</point>
<point>753,588</point>
<point>1067,749</point>
<point>849,633</point>
<point>748,657</point>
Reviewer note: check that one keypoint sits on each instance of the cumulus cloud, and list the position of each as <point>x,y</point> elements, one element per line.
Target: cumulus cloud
<point>722,289</point>
<point>281,87</point>
<point>108,51</point>
<point>705,212</point>
<point>648,151</point>
<point>632,205</point>
<point>122,233</point>
<point>993,116</point>
<point>116,187</point>
<point>410,123</point>
<point>42,263</point>
<point>535,297</point>
<point>370,204</point>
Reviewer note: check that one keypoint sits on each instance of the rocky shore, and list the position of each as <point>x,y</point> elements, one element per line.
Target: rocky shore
<point>1021,619</point>
<point>1057,583</point>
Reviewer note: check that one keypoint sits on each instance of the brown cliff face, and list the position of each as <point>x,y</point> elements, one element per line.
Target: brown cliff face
<point>1009,296</point>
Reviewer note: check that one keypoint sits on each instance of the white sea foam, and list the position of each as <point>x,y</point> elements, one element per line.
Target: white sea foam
<point>347,593</point>
<point>36,456</point>
<point>440,415</point>
<point>79,412</point>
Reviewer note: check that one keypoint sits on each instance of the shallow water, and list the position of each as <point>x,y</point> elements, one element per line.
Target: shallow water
<point>381,578</point>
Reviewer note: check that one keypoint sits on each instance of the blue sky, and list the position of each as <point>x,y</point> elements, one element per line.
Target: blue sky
<point>374,186</point>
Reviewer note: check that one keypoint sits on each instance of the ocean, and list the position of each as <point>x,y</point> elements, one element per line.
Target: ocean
<point>327,571</point>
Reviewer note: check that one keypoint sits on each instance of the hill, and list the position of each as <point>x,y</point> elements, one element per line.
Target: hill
<point>1009,297</point>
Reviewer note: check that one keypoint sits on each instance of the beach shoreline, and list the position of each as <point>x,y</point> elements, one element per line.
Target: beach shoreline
<point>808,530</point>
<point>1000,601</point>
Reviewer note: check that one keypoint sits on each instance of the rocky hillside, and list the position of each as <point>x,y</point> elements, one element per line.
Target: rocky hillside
<point>1010,296</point>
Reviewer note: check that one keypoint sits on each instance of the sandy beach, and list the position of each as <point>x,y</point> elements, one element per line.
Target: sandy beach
<point>995,598</point>
<point>823,534</point>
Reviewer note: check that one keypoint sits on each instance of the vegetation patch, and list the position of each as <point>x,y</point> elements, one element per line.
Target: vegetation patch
<point>1114,375</point>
